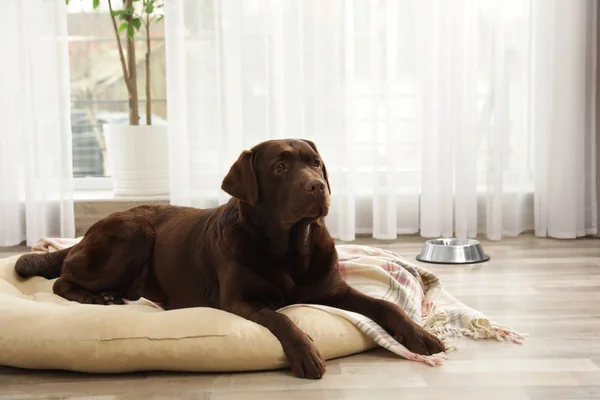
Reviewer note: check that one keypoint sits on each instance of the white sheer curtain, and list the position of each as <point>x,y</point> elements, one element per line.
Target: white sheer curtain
<point>564,117</point>
<point>35,139</point>
<point>432,116</point>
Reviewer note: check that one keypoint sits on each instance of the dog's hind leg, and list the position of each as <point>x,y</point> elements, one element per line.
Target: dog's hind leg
<point>109,263</point>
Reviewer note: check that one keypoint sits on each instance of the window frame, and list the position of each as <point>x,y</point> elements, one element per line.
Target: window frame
<point>93,183</point>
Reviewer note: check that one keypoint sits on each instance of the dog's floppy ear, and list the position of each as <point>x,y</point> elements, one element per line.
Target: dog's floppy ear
<point>314,147</point>
<point>240,182</point>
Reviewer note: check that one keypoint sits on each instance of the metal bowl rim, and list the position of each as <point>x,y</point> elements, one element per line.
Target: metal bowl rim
<point>486,258</point>
<point>472,242</point>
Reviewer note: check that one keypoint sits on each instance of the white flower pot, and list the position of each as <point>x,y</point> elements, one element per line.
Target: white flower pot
<point>138,158</point>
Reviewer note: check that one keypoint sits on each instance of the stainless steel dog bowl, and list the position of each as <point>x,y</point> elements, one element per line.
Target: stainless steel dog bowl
<point>452,251</point>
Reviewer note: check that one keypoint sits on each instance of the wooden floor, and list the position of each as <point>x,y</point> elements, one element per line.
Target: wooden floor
<point>548,288</point>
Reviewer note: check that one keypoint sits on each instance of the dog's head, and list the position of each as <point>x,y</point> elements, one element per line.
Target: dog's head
<point>284,178</point>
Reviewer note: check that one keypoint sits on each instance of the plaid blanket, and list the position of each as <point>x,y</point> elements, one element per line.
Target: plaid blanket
<point>386,275</point>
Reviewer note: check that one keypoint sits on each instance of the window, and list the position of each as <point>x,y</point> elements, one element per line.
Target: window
<point>98,93</point>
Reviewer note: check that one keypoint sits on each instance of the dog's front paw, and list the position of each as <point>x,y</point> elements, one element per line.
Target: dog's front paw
<point>306,361</point>
<point>418,340</point>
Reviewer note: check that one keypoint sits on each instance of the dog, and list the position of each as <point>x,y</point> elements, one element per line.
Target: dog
<point>268,247</point>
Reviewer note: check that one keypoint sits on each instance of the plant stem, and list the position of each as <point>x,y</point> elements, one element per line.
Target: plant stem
<point>120,46</point>
<point>148,86</point>
<point>134,108</point>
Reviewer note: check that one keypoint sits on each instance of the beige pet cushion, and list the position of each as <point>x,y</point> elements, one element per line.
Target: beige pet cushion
<point>41,330</point>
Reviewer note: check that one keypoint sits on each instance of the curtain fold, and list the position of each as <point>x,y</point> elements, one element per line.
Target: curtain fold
<point>433,117</point>
<point>36,178</point>
<point>564,63</point>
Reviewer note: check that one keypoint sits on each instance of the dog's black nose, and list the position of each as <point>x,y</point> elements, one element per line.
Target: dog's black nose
<point>315,185</point>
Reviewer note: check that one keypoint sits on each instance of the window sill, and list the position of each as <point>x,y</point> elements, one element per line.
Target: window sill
<point>107,195</point>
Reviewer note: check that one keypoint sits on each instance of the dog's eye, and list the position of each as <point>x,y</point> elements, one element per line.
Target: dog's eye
<point>317,163</point>
<point>280,167</point>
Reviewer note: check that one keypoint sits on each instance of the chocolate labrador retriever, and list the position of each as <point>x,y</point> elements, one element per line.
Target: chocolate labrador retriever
<point>268,247</point>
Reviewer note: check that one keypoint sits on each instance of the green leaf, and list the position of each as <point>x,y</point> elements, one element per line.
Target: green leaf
<point>67,2</point>
<point>96,4</point>
<point>115,13</point>
<point>149,7</point>
<point>123,26</point>
<point>126,14</point>
<point>159,18</point>
<point>130,32</point>
<point>136,23</point>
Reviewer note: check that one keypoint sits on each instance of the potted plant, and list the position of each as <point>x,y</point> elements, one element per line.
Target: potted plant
<point>138,151</point>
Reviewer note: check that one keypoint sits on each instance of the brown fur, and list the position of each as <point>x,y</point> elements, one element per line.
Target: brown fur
<point>268,247</point>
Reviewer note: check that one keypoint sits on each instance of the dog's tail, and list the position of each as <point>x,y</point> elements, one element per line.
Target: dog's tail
<point>48,265</point>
